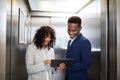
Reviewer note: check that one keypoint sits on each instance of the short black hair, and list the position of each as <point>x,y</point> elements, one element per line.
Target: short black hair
<point>75,19</point>
<point>40,35</point>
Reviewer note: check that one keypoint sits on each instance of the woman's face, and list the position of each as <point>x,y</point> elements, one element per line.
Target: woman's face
<point>46,40</point>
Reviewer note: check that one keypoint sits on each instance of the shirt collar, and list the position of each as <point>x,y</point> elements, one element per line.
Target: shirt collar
<point>73,38</point>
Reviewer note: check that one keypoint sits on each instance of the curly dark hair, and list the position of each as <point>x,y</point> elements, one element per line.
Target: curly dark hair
<point>40,35</point>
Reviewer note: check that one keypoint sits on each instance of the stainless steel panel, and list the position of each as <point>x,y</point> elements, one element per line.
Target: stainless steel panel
<point>110,48</point>
<point>112,41</point>
<point>15,66</point>
<point>2,39</point>
<point>92,30</point>
<point>94,70</point>
<point>118,39</point>
<point>8,41</point>
<point>104,40</point>
<point>20,68</point>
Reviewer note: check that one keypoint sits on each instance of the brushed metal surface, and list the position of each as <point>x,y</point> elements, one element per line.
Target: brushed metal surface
<point>2,39</point>
<point>118,39</point>
<point>104,40</point>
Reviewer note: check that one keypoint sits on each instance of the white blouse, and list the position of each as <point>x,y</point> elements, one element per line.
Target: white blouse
<point>36,68</point>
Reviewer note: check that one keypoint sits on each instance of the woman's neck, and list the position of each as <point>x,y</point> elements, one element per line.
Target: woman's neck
<point>44,46</point>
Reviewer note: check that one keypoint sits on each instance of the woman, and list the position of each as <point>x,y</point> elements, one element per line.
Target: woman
<point>39,55</point>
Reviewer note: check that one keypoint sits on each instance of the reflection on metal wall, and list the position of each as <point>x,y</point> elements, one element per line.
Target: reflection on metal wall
<point>15,67</point>
<point>91,28</point>
<point>118,39</point>
<point>18,50</point>
<point>8,41</point>
<point>2,39</point>
<point>21,72</point>
<point>95,69</point>
<point>104,39</point>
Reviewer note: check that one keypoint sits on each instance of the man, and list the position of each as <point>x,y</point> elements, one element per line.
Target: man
<point>79,48</point>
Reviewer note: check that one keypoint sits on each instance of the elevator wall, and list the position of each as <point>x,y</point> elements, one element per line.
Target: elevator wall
<point>2,39</point>
<point>17,19</point>
<point>95,28</point>
<point>118,40</point>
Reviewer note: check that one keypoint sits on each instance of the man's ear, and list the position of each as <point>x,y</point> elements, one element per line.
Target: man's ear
<point>80,28</point>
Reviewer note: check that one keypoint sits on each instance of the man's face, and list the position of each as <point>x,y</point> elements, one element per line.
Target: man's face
<point>73,29</point>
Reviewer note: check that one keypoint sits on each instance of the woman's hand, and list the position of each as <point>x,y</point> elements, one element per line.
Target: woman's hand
<point>61,66</point>
<point>47,61</point>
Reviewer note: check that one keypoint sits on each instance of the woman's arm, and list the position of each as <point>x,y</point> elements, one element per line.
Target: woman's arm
<point>30,61</point>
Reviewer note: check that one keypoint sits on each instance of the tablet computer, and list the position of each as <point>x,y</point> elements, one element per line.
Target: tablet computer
<point>56,62</point>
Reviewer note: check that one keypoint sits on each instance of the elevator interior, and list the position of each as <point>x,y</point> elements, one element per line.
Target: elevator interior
<point>20,19</point>
<point>23,20</point>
